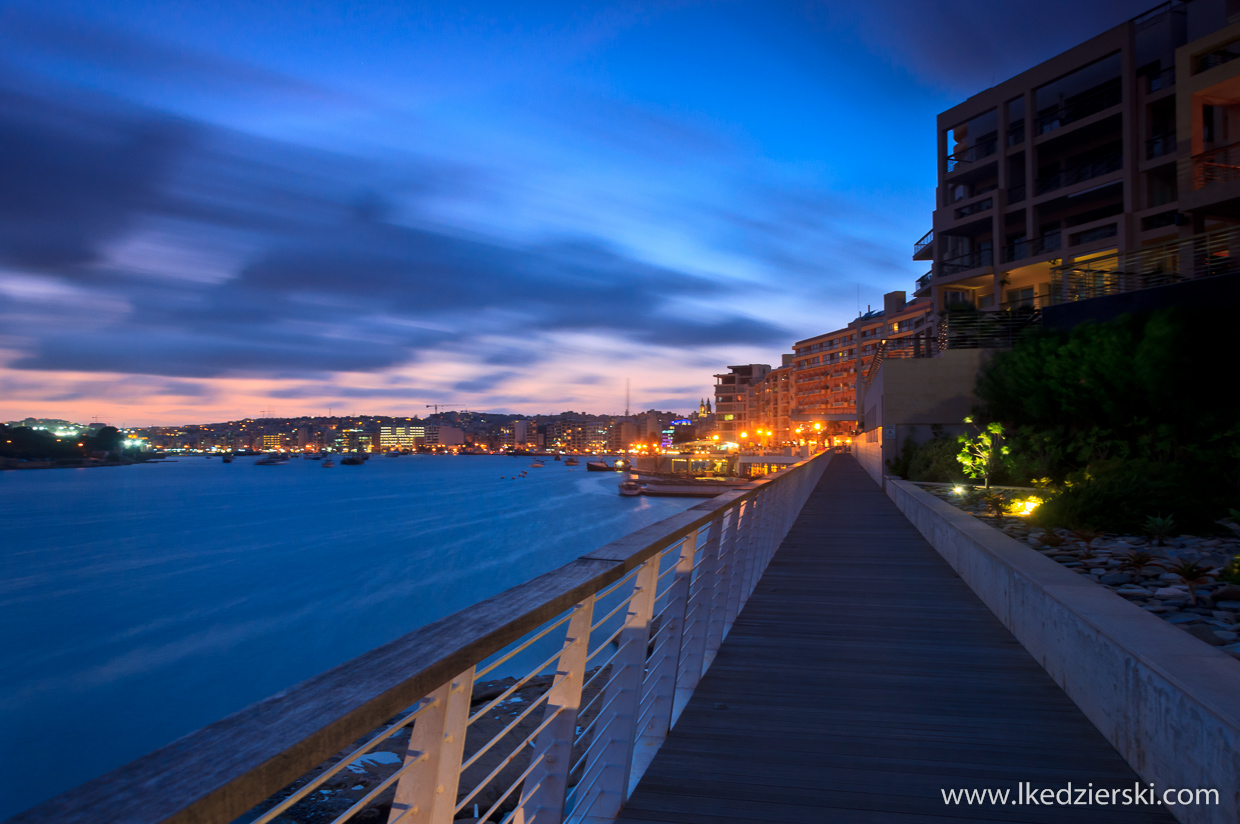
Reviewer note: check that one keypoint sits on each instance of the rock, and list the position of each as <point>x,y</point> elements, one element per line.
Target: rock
<point>1231,592</point>
<point>1154,608</point>
<point>1226,604</point>
<point>1234,649</point>
<point>1205,634</point>
<point>1097,571</point>
<point>1171,592</point>
<point>1116,578</point>
<point>1184,618</point>
<point>1224,615</point>
<point>1129,591</point>
<point>1226,635</point>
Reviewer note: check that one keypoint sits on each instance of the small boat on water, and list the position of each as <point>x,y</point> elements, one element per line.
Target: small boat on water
<point>557,457</point>
<point>328,462</point>
<point>227,458</point>
<point>630,488</point>
<point>572,462</point>
<point>622,465</point>
<point>353,460</point>
<point>597,466</point>
<point>271,460</point>
<point>537,465</point>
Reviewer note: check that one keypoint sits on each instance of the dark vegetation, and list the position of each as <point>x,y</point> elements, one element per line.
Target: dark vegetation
<point>23,443</point>
<point>1119,422</point>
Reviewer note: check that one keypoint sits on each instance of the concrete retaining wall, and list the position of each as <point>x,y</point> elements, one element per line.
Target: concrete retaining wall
<point>1168,702</point>
<point>870,455</point>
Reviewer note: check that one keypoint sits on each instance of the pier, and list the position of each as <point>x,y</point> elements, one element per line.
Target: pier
<point>793,650</point>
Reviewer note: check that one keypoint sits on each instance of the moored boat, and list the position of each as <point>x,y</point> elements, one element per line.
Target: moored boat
<point>537,465</point>
<point>572,462</point>
<point>597,466</point>
<point>328,462</point>
<point>630,488</point>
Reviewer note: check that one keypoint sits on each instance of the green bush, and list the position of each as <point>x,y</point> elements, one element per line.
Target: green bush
<point>935,460</point>
<point>1119,496</point>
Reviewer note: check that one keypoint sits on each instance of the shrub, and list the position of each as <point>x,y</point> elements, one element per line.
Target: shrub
<point>935,460</point>
<point>1118,496</point>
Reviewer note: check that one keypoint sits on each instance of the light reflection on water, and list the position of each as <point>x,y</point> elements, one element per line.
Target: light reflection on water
<point>140,603</point>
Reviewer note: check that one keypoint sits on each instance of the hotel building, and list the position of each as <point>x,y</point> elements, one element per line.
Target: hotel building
<point>1088,174</point>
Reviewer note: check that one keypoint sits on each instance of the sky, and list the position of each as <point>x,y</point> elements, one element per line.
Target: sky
<point>209,211</point>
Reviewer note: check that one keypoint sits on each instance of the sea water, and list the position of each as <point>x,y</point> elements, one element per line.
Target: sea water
<point>140,603</point>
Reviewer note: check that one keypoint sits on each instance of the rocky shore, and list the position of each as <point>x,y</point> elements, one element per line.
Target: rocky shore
<point>1135,567</point>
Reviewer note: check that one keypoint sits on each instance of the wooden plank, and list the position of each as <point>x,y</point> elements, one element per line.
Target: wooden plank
<point>861,678</point>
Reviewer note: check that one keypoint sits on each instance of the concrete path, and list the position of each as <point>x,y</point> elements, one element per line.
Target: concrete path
<point>861,680</point>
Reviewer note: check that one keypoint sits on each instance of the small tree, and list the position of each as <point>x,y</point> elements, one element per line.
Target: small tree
<point>978,454</point>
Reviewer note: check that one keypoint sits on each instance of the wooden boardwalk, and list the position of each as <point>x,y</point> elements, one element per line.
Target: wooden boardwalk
<point>862,678</point>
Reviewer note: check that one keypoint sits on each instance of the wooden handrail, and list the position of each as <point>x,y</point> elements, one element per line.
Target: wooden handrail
<point>221,771</point>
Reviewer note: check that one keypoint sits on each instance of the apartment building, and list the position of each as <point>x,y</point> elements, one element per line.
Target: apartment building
<point>826,367</point>
<point>1087,174</point>
<point>768,405</point>
<point>731,405</point>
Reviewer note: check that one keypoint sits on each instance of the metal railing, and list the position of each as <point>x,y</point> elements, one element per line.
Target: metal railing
<point>1216,58</point>
<point>1203,255</point>
<point>1082,106</point>
<point>1111,162</point>
<point>975,208</point>
<point>927,240</point>
<point>1016,193</point>
<point>602,654</point>
<point>1156,81</point>
<point>1159,145</point>
<point>984,147</point>
<point>985,330</point>
<point>1032,247</point>
<point>963,263</point>
<point>919,345</point>
<point>1221,165</point>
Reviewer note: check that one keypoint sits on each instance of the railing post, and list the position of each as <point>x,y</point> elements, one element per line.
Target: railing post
<point>606,777</point>
<point>737,556</point>
<point>426,792</point>
<point>542,797</point>
<point>664,663</point>
<point>706,609</point>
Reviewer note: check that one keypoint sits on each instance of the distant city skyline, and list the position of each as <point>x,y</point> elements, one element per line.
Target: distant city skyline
<point>213,212</point>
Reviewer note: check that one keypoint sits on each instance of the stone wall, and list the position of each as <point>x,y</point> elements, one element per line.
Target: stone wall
<point>1169,703</point>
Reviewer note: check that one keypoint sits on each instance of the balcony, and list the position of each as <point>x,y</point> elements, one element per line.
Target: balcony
<point>973,260</point>
<point>1112,162</point>
<point>984,147</point>
<point>1021,249</point>
<point>1082,106</point>
<point>923,282</point>
<point>1221,165</point>
<point>924,248</point>
<point>1164,79</point>
<point>1016,133</point>
<point>1216,58</point>
<point>1016,194</point>
<point>1159,145</point>
<point>975,208</point>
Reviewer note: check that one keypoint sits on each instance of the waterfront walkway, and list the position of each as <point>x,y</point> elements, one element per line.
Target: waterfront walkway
<point>862,678</point>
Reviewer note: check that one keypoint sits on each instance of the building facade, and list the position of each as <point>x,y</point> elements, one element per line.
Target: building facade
<point>1088,174</point>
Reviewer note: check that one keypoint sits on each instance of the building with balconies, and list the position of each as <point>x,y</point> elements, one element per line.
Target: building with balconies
<point>1088,173</point>
<point>731,406</point>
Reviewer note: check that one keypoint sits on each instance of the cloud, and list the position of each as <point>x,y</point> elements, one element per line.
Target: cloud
<point>964,46</point>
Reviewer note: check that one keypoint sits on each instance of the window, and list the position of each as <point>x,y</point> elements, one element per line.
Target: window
<point>1020,297</point>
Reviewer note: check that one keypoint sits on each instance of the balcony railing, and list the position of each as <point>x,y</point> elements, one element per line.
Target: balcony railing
<point>1164,79</point>
<point>924,280</point>
<point>1016,193</point>
<point>975,208</point>
<point>1205,255</point>
<point>1089,103</point>
<point>926,242</point>
<point>1032,247</point>
<point>1216,58</point>
<point>984,147</point>
<point>963,263</point>
<point>1221,165</point>
<point>1112,162</point>
<point>1159,145</point>
<point>1016,133</point>
<point>985,330</point>
<point>614,641</point>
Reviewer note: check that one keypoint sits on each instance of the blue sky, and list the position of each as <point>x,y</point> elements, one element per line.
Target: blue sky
<point>214,209</point>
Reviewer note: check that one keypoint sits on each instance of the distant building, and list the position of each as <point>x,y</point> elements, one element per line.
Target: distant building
<point>731,416</point>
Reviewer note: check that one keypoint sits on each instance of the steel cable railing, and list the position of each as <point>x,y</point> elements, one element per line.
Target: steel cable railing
<point>600,657</point>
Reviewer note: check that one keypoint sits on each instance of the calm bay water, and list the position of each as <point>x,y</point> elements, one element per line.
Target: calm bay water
<point>140,603</point>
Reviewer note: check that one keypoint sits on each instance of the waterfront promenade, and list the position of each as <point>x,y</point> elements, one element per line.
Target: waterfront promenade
<point>861,679</point>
